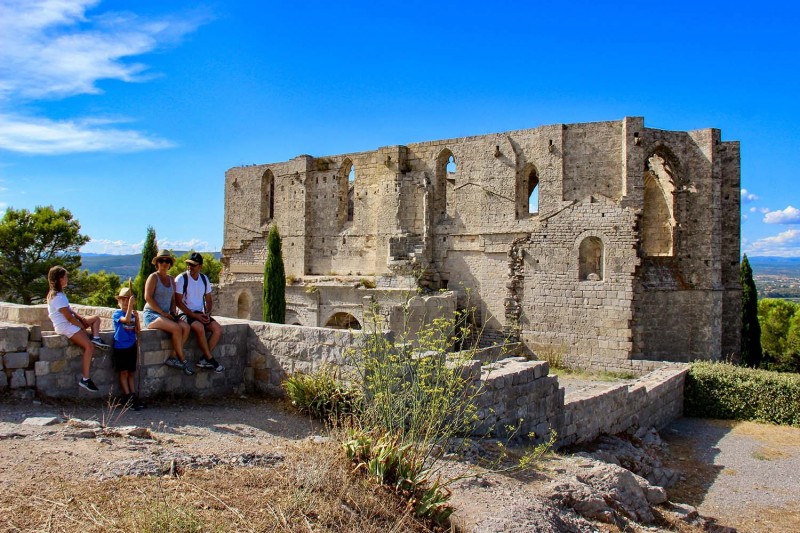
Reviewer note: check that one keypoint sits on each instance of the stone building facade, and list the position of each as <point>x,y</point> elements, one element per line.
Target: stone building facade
<point>607,242</point>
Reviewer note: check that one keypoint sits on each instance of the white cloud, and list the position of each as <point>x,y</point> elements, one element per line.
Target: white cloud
<point>43,136</point>
<point>119,247</point>
<point>748,197</point>
<point>764,210</point>
<point>785,244</point>
<point>59,50</point>
<point>753,209</point>
<point>790,215</point>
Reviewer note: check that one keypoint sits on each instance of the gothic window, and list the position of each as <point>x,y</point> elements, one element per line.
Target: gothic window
<point>267,197</point>
<point>527,192</point>
<point>590,262</point>
<point>351,189</point>
<point>658,219</point>
<point>347,180</point>
<point>445,175</point>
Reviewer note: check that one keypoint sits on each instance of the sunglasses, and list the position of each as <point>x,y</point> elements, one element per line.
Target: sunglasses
<point>162,260</point>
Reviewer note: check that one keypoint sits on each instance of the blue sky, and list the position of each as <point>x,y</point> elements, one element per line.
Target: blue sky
<point>128,113</point>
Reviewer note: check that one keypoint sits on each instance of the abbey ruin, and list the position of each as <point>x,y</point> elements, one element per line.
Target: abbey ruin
<point>609,242</point>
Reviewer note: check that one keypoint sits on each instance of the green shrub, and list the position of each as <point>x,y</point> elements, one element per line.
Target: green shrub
<point>721,390</point>
<point>321,395</point>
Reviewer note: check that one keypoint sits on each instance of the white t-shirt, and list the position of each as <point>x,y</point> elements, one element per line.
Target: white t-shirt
<point>59,301</point>
<point>194,292</point>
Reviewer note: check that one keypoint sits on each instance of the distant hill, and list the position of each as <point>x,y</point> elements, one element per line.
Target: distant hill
<point>775,266</point>
<point>125,266</point>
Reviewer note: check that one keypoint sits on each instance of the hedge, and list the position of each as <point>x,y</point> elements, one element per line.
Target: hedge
<point>722,390</point>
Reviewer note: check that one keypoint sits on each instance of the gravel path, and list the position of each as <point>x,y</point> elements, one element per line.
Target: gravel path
<point>745,474</point>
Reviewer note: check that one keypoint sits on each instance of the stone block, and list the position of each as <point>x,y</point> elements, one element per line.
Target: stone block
<point>262,374</point>
<point>30,378</point>
<point>35,334</point>
<point>33,348</point>
<point>41,421</point>
<point>73,350</point>
<point>13,338</point>
<point>59,366</point>
<point>155,357</point>
<point>3,380</point>
<point>18,379</point>
<point>51,354</point>
<point>16,360</point>
<point>54,341</point>
<point>42,368</point>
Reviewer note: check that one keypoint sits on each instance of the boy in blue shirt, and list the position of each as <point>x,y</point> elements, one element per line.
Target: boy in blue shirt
<point>125,329</point>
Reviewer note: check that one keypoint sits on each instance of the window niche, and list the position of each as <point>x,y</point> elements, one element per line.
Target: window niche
<point>590,260</point>
<point>658,213</point>
<point>243,306</point>
<point>267,197</point>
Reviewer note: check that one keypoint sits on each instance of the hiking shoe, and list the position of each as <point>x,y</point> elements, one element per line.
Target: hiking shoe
<point>187,368</point>
<point>88,384</point>
<point>97,341</point>
<point>218,368</point>
<point>136,403</point>
<point>205,363</point>
<point>173,362</point>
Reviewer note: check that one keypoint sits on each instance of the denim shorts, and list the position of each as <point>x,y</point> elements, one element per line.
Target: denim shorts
<point>149,316</point>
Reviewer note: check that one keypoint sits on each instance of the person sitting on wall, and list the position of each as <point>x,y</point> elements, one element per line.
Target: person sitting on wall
<point>193,297</point>
<point>159,309</point>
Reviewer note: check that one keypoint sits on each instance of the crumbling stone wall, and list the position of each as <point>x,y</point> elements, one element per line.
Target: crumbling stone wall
<point>630,221</point>
<point>259,356</point>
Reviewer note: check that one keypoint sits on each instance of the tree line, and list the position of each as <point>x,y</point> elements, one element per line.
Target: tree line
<point>32,242</point>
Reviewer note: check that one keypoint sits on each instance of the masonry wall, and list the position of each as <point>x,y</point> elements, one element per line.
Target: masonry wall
<point>453,228</point>
<point>259,356</point>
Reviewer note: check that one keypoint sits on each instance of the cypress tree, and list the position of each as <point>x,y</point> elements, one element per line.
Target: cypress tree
<point>751,330</point>
<point>149,251</point>
<point>274,293</point>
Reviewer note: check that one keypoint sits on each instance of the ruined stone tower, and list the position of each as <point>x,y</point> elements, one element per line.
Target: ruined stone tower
<point>609,241</point>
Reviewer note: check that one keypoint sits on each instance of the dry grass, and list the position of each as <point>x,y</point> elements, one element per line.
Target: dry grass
<point>312,489</point>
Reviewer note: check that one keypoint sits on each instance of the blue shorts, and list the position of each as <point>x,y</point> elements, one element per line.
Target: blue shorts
<point>149,316</point>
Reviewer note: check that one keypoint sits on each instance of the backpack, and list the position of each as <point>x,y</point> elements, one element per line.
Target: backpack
<point>185,276</point>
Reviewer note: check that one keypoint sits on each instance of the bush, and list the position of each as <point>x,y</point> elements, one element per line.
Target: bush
<point>721,390</point>
<point>321,395</point>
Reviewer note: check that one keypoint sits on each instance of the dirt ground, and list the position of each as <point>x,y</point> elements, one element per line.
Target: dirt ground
<point>744,474</point>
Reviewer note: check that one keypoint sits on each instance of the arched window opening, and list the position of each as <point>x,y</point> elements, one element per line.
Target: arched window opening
<point>351,189</point>
<point>658,220</point>
<point>292,318</point>
<point>444,180</point>
<point>347,182</point>
<point>533,192</point>
<point>527,200</point>
<point>243,306</point>
<point>590,263</point>
<point>342,320</point>
<point>451,165</point>
<point>267,197</point>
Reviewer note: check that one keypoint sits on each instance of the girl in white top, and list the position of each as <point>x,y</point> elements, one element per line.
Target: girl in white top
<point>72,325</point>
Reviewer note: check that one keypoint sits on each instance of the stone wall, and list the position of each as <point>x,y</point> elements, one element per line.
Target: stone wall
<point>630,221</point>
<point>259,356</point>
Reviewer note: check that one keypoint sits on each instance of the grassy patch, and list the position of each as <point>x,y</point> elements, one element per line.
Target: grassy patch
<point>313,489</point>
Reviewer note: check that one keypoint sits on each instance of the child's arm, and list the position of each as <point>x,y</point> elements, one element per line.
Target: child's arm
<point>73,317</point>
<point>129,312</point>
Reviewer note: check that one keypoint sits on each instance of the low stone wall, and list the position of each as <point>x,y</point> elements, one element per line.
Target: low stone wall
<point>258,357</point>
<point>652,400</point>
